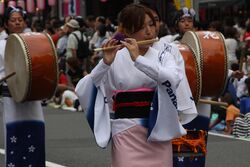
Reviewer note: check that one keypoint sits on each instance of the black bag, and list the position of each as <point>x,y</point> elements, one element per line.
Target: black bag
<point>82,47</point>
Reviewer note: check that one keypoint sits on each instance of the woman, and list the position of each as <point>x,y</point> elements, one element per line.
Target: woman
<point>117,95</point>
<point>24,123</point>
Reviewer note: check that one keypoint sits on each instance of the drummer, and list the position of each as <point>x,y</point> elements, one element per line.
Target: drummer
<point>184,21</point>
<point>24,128</point>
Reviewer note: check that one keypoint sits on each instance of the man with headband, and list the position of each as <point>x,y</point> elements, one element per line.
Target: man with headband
<point>24,128</point>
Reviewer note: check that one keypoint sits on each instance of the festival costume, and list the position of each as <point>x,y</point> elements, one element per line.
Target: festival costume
<point>24,127</point>
<point>155,70</point>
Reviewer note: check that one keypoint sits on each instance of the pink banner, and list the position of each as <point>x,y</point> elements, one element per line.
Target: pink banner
<point>40,4</point>
<point>52,2</point>
<point>30,6</point>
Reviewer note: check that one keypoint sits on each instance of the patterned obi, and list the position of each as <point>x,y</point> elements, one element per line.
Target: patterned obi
<point>133,103</point>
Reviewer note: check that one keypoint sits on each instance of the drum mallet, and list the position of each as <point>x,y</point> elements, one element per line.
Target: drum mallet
<point>7,77</point>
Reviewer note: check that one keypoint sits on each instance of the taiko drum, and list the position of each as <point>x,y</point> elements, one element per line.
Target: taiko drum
<point>212,57</point>
<point>32,56</point>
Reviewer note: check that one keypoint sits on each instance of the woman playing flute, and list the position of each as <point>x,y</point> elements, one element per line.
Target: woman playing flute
<point>130,96</point>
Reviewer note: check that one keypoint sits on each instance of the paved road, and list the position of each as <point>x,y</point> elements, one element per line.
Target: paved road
<point>70,143</point>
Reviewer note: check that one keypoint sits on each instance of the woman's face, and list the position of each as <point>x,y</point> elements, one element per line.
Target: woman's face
<point>15,23</point>
<point>185,24</point>
<point>147,31</point>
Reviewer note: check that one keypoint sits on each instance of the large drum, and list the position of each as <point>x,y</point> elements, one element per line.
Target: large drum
<point>212,56</point>
<point>192,69</point>
<point>32,56</point>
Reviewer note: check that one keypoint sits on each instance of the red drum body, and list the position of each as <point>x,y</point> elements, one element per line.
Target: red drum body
<point>32,56</point>
<point>211,51</point>
<point>192,69</point>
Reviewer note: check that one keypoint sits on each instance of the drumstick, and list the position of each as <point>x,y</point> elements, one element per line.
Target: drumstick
<point>213,102</point>
<point>144,42</point>
<point>7,77</point>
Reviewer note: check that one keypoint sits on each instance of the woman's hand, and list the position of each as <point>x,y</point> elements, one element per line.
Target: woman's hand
<point>109,55</point>
<point>132,46</point>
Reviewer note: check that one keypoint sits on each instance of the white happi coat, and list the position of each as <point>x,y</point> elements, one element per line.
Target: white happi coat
<point>157,70</point>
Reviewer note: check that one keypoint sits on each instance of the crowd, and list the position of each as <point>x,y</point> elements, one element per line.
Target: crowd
<point>76,39</point>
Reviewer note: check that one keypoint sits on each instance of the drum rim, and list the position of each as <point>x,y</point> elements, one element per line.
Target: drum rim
<point>29,65</point>
<point>27,68</point>
<point>198,58</point>
<point>56,60</point>
<point>226,63</point>
<point>199,84</point>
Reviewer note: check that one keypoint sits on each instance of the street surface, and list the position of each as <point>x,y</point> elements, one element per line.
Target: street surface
<point>70,143</point>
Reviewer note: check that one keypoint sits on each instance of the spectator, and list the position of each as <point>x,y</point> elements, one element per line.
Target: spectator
<point>102,39</point>
<point>232,113</point>
<point>74,65</point>
<point>93,40</point>
<point>241,126</point>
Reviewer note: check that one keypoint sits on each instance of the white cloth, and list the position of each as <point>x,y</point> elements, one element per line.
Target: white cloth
<point>69,95</point>
<point>3,35</point>
<point>240,86</point>
<point>153,70</point>
<point>183,92</point>
<point>2,49</point>
<point>61,45</point>
<point>231,46</point>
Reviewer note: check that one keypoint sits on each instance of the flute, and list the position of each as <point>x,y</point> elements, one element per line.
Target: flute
<point>143,42</point>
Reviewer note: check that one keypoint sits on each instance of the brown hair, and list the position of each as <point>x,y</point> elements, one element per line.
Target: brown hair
<point>131,18</point>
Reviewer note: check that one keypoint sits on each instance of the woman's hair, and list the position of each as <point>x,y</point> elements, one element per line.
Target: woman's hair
<point>230,32</point>
<point>8,12</point>
<point>131,18</point>
<point>11,10</point>
<point>228,98</point>
<point>183,12</point>
<point>102,30</point>
<point>151,5</point>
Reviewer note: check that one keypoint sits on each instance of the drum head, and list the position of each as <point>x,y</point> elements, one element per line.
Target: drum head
<point>16,61</point>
